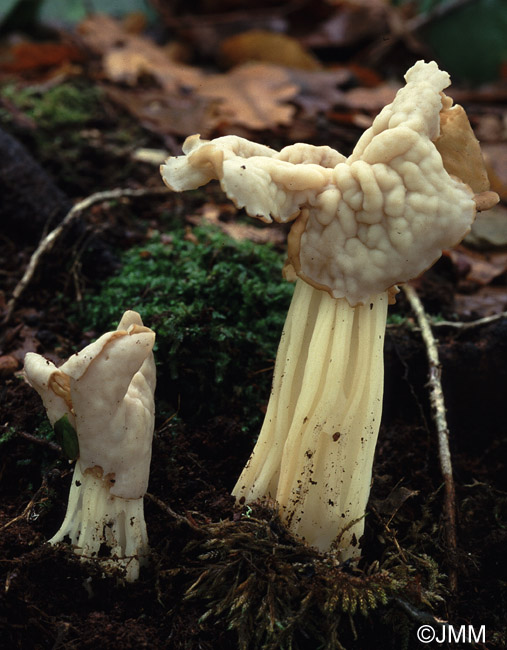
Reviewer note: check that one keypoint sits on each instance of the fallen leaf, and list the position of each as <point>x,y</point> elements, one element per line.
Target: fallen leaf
<point>211,213</point>
<point>489,231</point>
<point>394,500</point>
<point>370,99</point>
<point>134,22</point>
<point>352,23</point>
<point>27,56</point>
<point>254,95</point>
<point>478,268</point>
<point>319,89</point>
<point>127,56</point>
<point>268,47</point>
<point>17,341</point>
<point>495,155</point>
<point>486,302</point>
<point>8,365</point>
<point>168,113</point>
<point>490,127</point>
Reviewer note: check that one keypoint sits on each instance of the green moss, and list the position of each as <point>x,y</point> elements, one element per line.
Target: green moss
<point>9,433</point>
<point>77,136</point>
<point>63,105</point>
<point>218,307</point>
<point>396,319</point>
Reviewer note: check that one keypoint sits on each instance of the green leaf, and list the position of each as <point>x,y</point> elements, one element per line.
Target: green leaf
<point>67,437</point>
<point>470,42</point>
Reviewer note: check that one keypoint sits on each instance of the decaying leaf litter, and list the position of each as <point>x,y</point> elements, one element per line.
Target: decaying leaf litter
<point>205,586</point>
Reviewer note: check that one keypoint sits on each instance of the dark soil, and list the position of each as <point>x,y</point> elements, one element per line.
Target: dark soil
<point>204,549</point>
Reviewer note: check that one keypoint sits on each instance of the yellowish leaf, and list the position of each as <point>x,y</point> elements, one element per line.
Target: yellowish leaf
<point>126,57</point>
<point>268,47</point>
<point>254,95</point>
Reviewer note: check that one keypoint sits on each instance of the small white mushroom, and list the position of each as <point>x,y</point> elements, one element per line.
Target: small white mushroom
<point>361,225</point>
<point>106,392</point>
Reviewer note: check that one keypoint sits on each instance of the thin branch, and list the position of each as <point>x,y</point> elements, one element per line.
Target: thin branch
<point>169,511</point>
<point>40,441</point>
<point>470,324</point>
<point>47,243</point>
<point>459,325</point>
<point>26,512</point>
<point>439,416</point>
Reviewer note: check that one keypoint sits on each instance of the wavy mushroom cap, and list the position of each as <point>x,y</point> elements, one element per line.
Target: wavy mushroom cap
<point>363,223</point>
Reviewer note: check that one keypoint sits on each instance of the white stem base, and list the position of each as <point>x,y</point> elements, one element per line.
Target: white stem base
<point>104,527</point>
<point>314,455</point>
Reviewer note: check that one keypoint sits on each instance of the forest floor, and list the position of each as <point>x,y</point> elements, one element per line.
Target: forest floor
<point>222,576</point>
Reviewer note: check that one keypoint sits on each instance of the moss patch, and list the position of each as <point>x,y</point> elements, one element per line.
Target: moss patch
<point>218,307</point>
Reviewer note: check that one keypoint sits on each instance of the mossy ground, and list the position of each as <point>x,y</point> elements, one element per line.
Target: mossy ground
<point>218,307</point>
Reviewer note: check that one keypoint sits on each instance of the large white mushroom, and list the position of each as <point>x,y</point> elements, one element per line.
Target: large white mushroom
<point>362,224</point>
<point>105,393</point>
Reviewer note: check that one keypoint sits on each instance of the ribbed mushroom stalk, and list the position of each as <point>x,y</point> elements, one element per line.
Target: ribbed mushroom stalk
<point>361,225</point>
<point>105,394</point>
<point>315,451</point>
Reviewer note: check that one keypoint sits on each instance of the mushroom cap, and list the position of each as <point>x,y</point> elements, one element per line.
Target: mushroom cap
<point>106,389</point>
<point>363,223</point>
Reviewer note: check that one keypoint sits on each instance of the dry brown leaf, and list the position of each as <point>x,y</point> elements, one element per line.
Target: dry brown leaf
<point>482,268</point>
<point>495,155</point>
<point>488,301</point>
<point>27,56</point>
<point>489,231</point>
<point>370,99</point>
<point>394,500</point>
<point>168,113</point>
<point>8,365</point>
<point>20,339</point>
<point>350,24</point>
<point>126,57</point>
<point>319,89</point>
<point>251,95</point>
<point>211,213</point>
<point>254,95</point>
<point>266,46</point>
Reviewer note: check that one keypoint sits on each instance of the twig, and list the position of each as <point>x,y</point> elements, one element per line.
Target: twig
<point>40,441</point>
<point>28,507</point>
<point>438,408</point>
<point>469,324</point>
<point>391,534</point>
<point>459,325</point>
<point>168,510</point>
<point>48,241</point>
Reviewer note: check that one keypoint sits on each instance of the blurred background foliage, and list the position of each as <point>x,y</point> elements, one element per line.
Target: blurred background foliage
<point>472,41</point>
<point>468,37</point>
